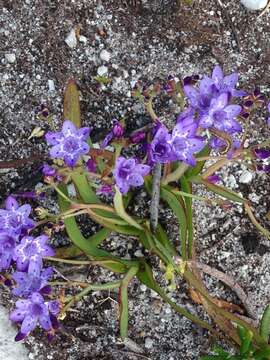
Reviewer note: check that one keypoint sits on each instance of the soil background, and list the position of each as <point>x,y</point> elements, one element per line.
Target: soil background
<point>147,41</point>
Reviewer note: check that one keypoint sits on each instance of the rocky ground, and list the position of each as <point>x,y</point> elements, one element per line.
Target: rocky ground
<point>43,44</point>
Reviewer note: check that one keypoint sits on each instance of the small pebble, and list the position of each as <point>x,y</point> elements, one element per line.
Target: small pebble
<point>246,177</point>
<point>11,58</point>
<point>71,39</point>
<point>102,70</point>
<point>148,343</point>
<point>51,85</point>
<point>105,55</point>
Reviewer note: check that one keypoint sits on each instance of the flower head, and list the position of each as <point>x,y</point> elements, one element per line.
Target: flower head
<point>7,246</point>
<point>68,144</point>
<point>28,255</point>
<point>160,148</point>
<point>15,219</point>
<point>26,284</point>
<point>219,83</point>
<point>185,142</point>
<point>33,312</point>
<point>129,173</point>
<point>221,115</point>
<point>116,132</point>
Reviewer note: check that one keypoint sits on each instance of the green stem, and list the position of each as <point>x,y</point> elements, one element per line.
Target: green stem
<point>92,287</point>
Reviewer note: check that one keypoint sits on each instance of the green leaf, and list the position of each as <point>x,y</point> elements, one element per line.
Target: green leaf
<point>123,299</point>
<point>262,354</point>
<point>68,252</point>
<point>246,338</point>
<point>164,240</point>
<point>85,245</point>
<point>194,171</point>
<point>186,187</point>
<point>222,191</point>
<point>120,209</point>
<point>265,324</point>
<point>85,191</point>
<point>72,103</point>
<point>178,208</point>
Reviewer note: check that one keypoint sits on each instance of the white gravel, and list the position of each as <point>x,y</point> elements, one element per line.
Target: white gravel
<point>9,349</point>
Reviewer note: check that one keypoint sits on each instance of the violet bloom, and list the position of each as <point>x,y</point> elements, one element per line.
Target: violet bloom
<point>219,83</point>
<point>48,170</point>
<point>221,115</point>
<point>26,284</point>
<point>262,153</point>
<point>160,149</point>
<point>91,166</point>
<point>7,246</point>
<point>28,255</point>
<point>69,143</point>
<point>15,219</point>
<point>116,132</point>
<point>185,142</point>
<point>33,312</point>
<point>105,189</point>
<point>129,173</point>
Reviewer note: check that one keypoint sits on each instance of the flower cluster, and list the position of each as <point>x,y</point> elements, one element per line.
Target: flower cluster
<point>212,102</point>
<point>30,280</point>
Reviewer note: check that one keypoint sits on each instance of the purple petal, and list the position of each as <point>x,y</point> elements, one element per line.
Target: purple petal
<point>123,187</point>
<point>192,94</point>
<point>53,138</point>
<point>20,336</point>
<point>220,102</point>
<point>84,148</point>
<point>69,128</point>
<point>45,322</point>
<point>135,180</point>
<point>29,323</point>
<point>17,315</point>
<point>24,210</point>
<point>217,74</point>
<point>56,152</point>
<point>231,80</point>
<point>262,153</point>
<point>83,133</point>
<point>233,110</point>
<point>143,169</point>
<point>196,144</point>
<point>48,251</point>
<point>205,85</point>
<point>206,121</point>
<point>11,203</point>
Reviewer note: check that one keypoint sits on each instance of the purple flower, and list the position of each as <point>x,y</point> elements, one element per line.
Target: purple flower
<point>68,144</point>
<point>7,246</point>
<point>137,137</point>
<point>262,153</point>
<point>28,255</point>
<point>15,219</point>
<point>129,173</point>
<point>48,170</point>
<point>33,312</point>
<point>221,115</point>
<point>26,284</point>
<point>105,189</point>
<point>185,142</point>
<point>91,166</point>
<point>219,83</point>
<point>214,179</point>
<point>160,148</point>
<point>116,132</point>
